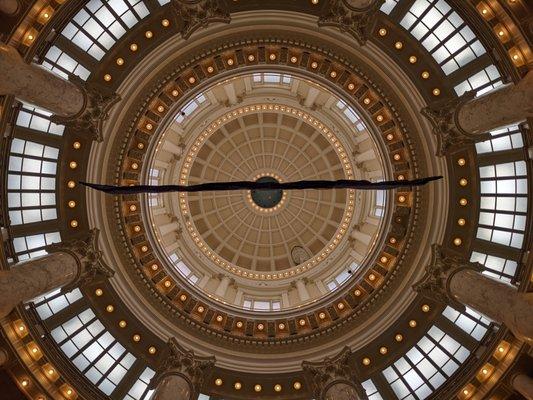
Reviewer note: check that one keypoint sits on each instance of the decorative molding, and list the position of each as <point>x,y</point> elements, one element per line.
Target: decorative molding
<point>95,110</point>
<point>443,116</point>
<point>358,22</point>
<point>88,256</point>
<point>334,371</point>
<point>436,282</point>
<point>192,15</point>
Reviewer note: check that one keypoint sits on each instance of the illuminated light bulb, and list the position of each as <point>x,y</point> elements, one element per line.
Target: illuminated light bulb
<point>351,86</point>
<point>50,371</point>
<point>425,308</point>
<point>152,350</point>
<point>154,267</point>
<point>148,34</point>
<point>72,204</point>
<point>398,337</point>
<point>134,47</point>
<point>140,146</point>
<point>357,292</point>
<point>133,208</point>
<point>136,338</point>
<point>281,326</point>
<point>73,165</point>
<point>110,308</point>
<point>165,22</point>
<point>401,177</point>
<point>413,59</point>
<point>239,324</point>
<point>463,182</point>
<point>260,327</point>
<point>392,240</point>
<point>218,382</point>
<point>183,297</point>
<point>366,361</point>
<point>390,136</point>
<point>272,57</point>
<point>397,157</point>
<point>201,309</point>
<point>137,228</point>
<point>463,202</point>
<point>412,323</point>
<point>192,79</point>
<point>122,324</point>
<point>69,391</point>
<point>160,109</point>
<point>237,386</point>
<point>379,118</point>
<point>230,61</point>
<point>501,349</point>
<point>210,69</point>
<point>501,33</point>
<point>175,93</point>
<point>484,11</point>
<point>258,388</point>
<point>366,100</point>
<point>314,2</point>
<point>297,385</point>
<point>436,92</point>
<point>30,37</point>
<point>461,162</point>
<point>457,241</point>
<point>461,222</point>
<point>107,77</point>
<point>134,165</point>
<point>333,74</point>
<point>425,75</point>
<point>302,322</point>
<point>401,199</point>
<point>76,145</point>
<point>144,249</point>
<point>382,32</point>
<point>371,277</point>
<point>314,65</point>
<point>251,57</point>
<point>340,306</point>
<point>74,223</point>
<point>465,392</point>
<point>167,284</point>
<point>383,259</point>
<point>484,371</point>
<point>294,59</point>
<point>24,382</point>
<point>120,61</point>
<point>277,388</point>
<point>322,315</point>
<point>219,318</point>
<point>398,45</point>
<point>383,350</point>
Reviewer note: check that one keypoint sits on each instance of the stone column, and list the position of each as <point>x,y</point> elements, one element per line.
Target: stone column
<point>302,290</point>
<point>334,378</point>
<point>181,373</point>
<point>460,282</point>
<point>468,119</point>
<point>77,104</point>
<point>67,264</point>
<point>502,106</point>
<point>9,7</point>
<point>523,384</point>
<point>223,286</point>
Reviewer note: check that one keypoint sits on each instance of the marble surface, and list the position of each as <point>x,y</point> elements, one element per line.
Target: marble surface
<point>34,278</point>
<point>173,387</point>
<point>501,107</point>
<point>36,85</point>
<point>496,300</point>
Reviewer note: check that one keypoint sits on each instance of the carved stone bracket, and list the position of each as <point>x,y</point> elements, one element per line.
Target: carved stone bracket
<point>194,14</point>
<point>88,256</point>
<point>332,371</point>
<point>183,362</point>
<point>435,283</point>
<point>443,116</point>
<point>96,107</point>
<point>358,22</point>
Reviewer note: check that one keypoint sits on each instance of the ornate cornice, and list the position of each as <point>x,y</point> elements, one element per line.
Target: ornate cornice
<point>191,15</point>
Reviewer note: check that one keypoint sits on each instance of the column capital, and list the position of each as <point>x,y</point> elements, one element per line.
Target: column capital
<point>88,258</point>
<point>96,107</point>
<point>354,17</point>
<point>190,15</point>
<point>183,362</point>
<point>443,116</point>
<point>332,371</point>
<point>436,282</point>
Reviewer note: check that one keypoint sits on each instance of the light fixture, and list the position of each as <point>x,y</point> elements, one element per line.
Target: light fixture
<point>463,182</point>
<point>148,34</point>
<point>230,61</point>
<point>463,202</point>
<point>71,204</point>
<point>133,208</point>
<point>192,79</point>
<point>107,77</point>
<point>277,388</point>
<point>237,386</point>
<point>281,326</point>
<point>461,222</point>
<point>302,322</point>
<point>398,45</point>
<point>436,92</point>
<point>183,297</point>
<point>412,323</point>
<point>398,337</point>
<point>425,75</point>
<point>73,164</point>
<point>71,184</point>
<point>239,324</point>
<point>122,324</point>
<point>120,61</point>
<point>74,223</point>
<point>272,56</point>
<point>137,228</point>
<point>351,86</point>
<point>219,318</point>
<point>314,65</point>
<point>98,292</point>
<point>294,59</point>
<point>201,309</point>
<point>76,145</point>
<point>134,47</point>
<point>461,162</point>
<point>383,350</point>
<point>297,385</point>
<point>152,350</point>
<point>258,388</point>
<point>382,32</point>
<point>457,241</point>
<point>136,337</point>
<point>425,308</point>
<point>110,308</point>
<point>218,382</point>
<point>366,361</point>
<point>165,22</point>
<point>413,59</point>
